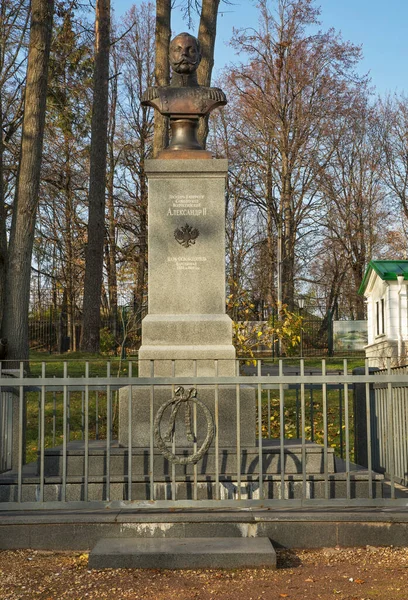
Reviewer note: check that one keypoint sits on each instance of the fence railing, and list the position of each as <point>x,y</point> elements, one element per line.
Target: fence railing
<point>389,425</point>
<point>271,436</point>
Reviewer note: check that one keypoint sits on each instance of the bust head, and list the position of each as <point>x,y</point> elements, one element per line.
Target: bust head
<point>184,54</point>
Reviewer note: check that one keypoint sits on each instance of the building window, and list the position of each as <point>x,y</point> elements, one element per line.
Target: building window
<point>380,316</point>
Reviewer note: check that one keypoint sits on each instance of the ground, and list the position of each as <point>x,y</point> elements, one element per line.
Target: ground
<point>333,573</point>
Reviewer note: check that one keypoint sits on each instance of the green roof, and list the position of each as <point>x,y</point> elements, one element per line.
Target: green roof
<point>386,270</point>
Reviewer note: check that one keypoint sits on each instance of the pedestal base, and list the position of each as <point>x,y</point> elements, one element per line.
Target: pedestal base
<point>142,424</point>
<point>200,345</point>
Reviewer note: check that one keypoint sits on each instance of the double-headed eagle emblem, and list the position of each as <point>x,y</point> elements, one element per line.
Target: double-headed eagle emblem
<point>186,235</point>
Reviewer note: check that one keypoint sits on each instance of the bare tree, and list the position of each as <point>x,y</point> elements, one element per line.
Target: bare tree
<point>134,140</point>
<point>97,182</point>
<point>291,90</point>
<point>15,319</point>
<point>394,142</point>
<point>162,70</point>
<point>14,20</point>
<point>355,211</point>
<point>65,170</point>
<point>206,36</point>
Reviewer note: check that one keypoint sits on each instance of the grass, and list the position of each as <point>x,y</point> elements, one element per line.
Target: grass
<point>314,430</point>
<point>74,363</point>
<point>53,418</point>
<point>54,364</point>
<point>314,421</point>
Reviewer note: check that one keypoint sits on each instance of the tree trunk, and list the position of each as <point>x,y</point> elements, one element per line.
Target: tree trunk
<point>111,255</point>
<point>206,36</point>
<point>3,231</point>
<point>15,319</point>
<point>97,183</point>
<point>162,71</point>
<point>142,262</point>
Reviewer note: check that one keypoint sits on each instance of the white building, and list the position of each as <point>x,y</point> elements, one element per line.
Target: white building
<point>384,287</point>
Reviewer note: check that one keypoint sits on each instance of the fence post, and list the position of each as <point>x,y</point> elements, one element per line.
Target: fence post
<point>360,416</point>
<point>330,333</point>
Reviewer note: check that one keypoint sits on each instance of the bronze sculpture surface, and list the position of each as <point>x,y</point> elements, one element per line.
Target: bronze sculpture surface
<point>184,101</point>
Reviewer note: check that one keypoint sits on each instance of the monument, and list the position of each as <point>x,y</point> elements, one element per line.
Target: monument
<point>186,315</point>
<point>186,332</point>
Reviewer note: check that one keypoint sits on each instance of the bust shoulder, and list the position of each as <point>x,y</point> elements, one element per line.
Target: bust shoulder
<point>150,94</point>
<point>216,94</point>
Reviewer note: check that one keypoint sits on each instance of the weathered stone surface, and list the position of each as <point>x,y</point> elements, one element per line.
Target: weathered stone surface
<point>178,553</point>
<point>227,465</point>
<point>186,318</point>
<point>227,420</point>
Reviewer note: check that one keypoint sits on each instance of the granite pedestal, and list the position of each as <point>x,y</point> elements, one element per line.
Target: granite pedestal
<point>186,332</point>
<point>186,318</point>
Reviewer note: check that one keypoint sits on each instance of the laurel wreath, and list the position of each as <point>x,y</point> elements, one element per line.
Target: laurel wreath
<point>176,402</point>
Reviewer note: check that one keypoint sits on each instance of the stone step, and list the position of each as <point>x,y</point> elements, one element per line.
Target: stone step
<point>206,489</point>
<point>182,553</point>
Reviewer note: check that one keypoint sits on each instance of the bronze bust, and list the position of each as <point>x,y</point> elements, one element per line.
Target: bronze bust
<point>184,101</point>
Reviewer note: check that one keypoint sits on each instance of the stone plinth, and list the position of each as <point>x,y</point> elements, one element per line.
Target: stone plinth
<point>186,318</point>
<point>190,553</point>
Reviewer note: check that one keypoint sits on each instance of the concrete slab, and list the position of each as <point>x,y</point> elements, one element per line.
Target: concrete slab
<point>191,553</point>
<point>288,527</point>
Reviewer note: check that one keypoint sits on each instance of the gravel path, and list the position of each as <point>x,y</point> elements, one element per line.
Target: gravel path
<point>333,573</point>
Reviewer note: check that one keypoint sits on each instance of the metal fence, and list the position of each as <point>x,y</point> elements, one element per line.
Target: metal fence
<point>49,332</point>
<point>85,435</point>
<point>389,426</point>
<point>6,430</point>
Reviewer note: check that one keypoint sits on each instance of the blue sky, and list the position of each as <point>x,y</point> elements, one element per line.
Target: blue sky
<point>381,27</point>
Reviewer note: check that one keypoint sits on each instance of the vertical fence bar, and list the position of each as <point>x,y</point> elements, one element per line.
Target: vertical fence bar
<point>20,437</point>
<point>195,468</point>
<point>396,429</point>
<point>297,412</point>
<point>269,414</point>
<point>368,425</point>
<point>130,434</point>
<point>282,430</point>
<point>341,421</point>
<point>68,414</point>
<point>346,422</point>
<point>173,466</point>
<point>41,418</point>
<point>325,434</point>
<point>311,412</point>
<point>216,415</point>
<point>381,429</point>
<point>54,416</point>
<point>303,420</point>
<point>151,457</point>
<point>38,421</point>
<point>260,454</point>
<point>238,399</point>
<point>390,429</point>
<point>85,396</point>
<point>64,435</point>
<point>82,414</point>
<point>96,415</point>
<point>404,435</point>
<point>108,431</point>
